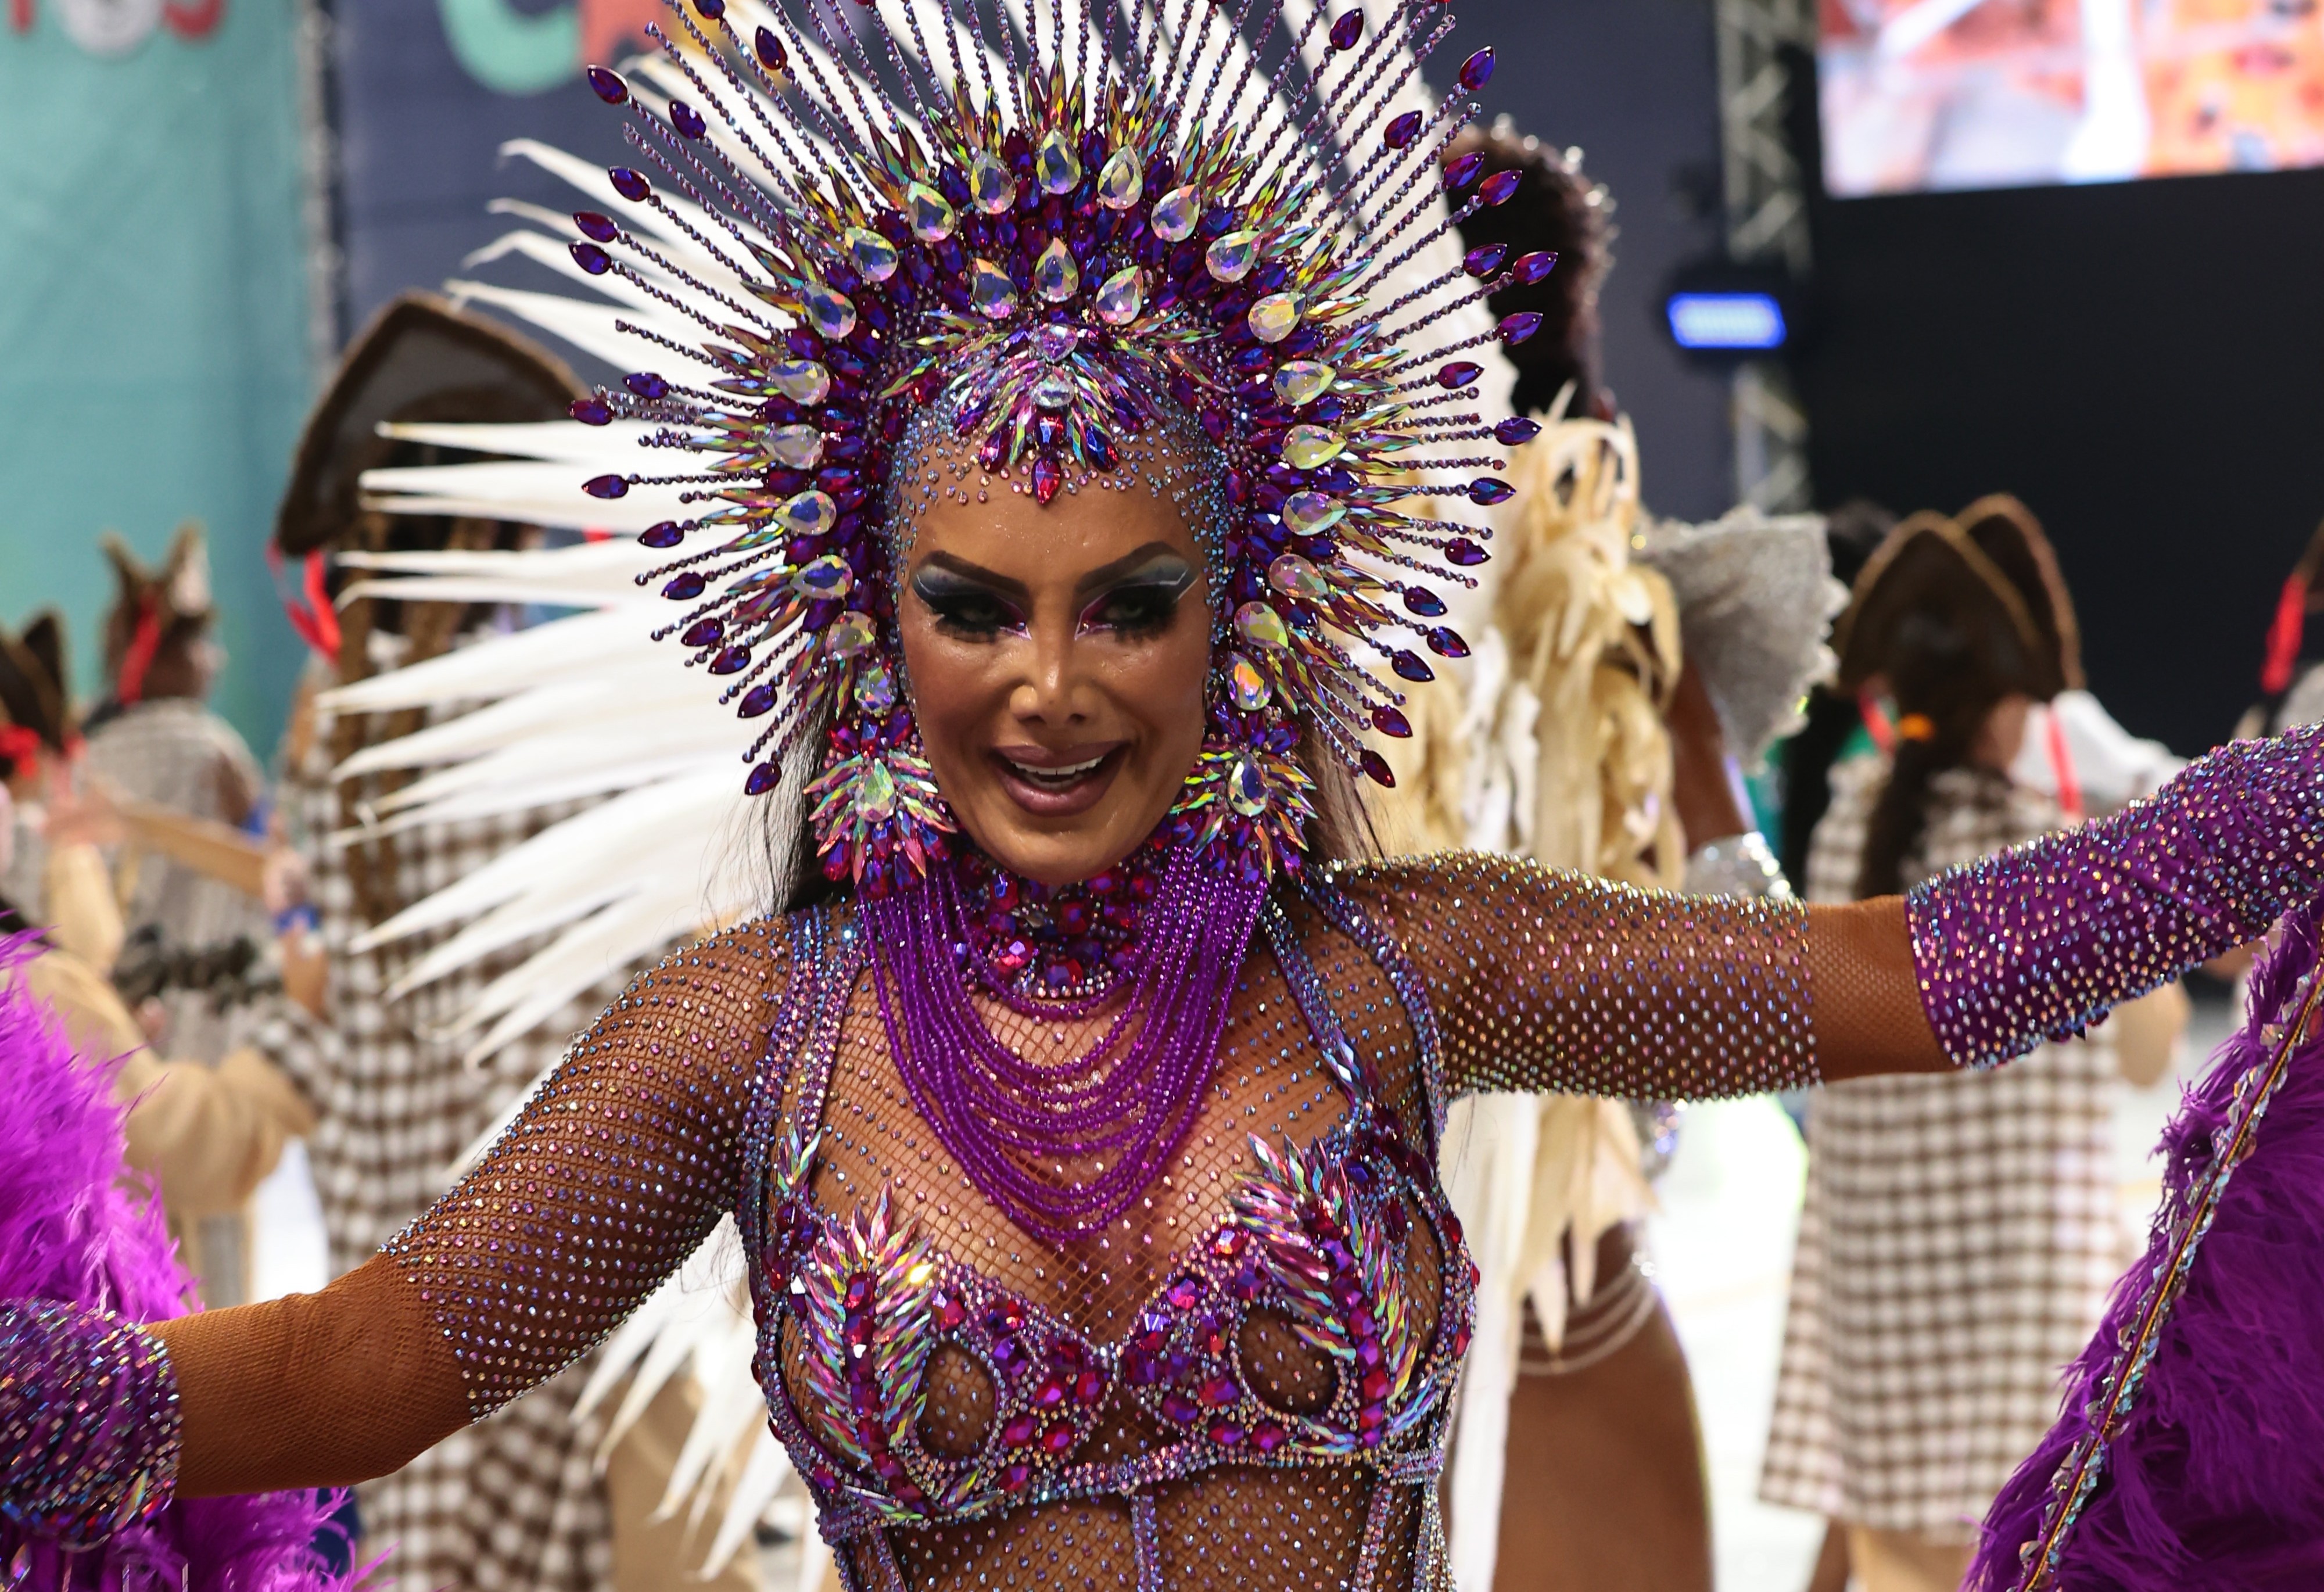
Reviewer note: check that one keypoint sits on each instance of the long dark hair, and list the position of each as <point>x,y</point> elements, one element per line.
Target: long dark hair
<point>1951,616</point>
<point>1946,679</point>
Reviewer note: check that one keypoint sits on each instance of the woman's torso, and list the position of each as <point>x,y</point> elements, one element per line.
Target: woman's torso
<point>1240,1382</point>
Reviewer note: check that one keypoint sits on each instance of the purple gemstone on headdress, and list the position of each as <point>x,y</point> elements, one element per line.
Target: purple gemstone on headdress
<point>1102,451</point>
<point>1515,430</point>
<point>763,779</point>
<point>1446,642</point>
<point>703,633</point>
<point>1488,491</point>
<point>687,119</point>
<point>592,259</point>
<point>1516,329</point>
<point>1501,188</point>
<point>713,9</point>
<point>770,51</point>
<point>604,228</point>
<point>606,486</point>
<point>1485,259</point>
<point>732,661</point>
<point>1388,721</point>
<point>646,384</point>
<point>1460,172</point>
<point>608,85</point>
<point>628,184</point>
<point>1410,665</point>
<point>1047,477</point>
<point>1347,30</point>
<point>1465,553</point>
<point>1532,268</point>
<point>685,587</point>
<point>665,535</point>
<point>1478,69</point>
<point>757,700</point>
<point>591,412</point>
<point>1376,768</point>
<point>1458,374</point>
<point>1422,601</point>
<point>1402,131</point>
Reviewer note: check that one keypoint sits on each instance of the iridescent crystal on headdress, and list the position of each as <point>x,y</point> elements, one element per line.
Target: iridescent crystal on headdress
<point>1108,228</point>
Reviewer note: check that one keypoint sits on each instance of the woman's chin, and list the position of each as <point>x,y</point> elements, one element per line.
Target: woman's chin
<point>1056,850</point>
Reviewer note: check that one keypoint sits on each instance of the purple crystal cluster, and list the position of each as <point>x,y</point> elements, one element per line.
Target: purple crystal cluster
<point>88,1425</point>
<point>1057,259</point>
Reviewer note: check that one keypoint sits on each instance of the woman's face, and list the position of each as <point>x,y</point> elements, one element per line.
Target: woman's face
<point>1058,658</point>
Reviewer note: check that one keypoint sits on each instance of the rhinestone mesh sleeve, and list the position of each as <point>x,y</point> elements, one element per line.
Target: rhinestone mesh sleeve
<point>1548,980</point>
<point>2040,941</point>
<point>618,1167</point>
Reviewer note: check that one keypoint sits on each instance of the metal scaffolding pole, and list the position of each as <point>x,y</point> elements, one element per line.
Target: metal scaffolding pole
<point>1766,223</point>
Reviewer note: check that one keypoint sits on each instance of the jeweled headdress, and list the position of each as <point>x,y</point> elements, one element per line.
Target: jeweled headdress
<point>1124,221</point>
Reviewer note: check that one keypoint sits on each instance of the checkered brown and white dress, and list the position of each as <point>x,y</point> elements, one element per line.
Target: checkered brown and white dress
<point>1957,1240</point>
<point>512,1504</point>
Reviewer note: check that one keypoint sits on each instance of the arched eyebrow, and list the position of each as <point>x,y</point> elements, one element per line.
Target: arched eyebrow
<point>992,580</point>
<point>1096,580</point>
<point>1136,563</point>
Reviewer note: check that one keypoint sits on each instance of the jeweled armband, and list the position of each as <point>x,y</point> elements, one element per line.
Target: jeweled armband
<point>88,1422</point>
<point>2039,942</point>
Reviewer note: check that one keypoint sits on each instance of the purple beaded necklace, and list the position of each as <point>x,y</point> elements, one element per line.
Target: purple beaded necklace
<point>1128,1100</point>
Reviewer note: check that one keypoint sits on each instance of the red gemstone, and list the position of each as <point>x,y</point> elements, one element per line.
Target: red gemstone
<point>1376,768</point>
<point>1389,721</point>
<point>1047,477</point>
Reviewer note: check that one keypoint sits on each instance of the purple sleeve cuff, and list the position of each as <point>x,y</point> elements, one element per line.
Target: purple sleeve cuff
<point>88,1423</point>
<point>2039,942</point>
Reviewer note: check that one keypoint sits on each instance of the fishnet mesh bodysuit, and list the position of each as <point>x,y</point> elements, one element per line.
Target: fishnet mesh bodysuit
<point>752,1073</point>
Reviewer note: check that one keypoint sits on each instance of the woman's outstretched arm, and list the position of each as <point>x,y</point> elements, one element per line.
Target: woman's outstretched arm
<point>614,1172</point>
<point>1544,981</point>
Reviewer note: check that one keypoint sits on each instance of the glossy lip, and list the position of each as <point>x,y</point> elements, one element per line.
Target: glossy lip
<point>1053,801</point>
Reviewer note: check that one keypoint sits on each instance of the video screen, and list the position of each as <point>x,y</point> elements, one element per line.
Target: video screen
<point>1924,95</point>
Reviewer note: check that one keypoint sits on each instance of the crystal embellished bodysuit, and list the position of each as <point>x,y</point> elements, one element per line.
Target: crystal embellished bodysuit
<point>1243,1381</point>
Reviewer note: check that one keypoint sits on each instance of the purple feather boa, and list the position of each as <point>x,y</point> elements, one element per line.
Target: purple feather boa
<point>2214,1476</point>
<point>74,1227</point>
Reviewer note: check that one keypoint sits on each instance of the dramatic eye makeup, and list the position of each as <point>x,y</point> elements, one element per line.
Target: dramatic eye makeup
<point>970,604</point>
<point>1140,600</point>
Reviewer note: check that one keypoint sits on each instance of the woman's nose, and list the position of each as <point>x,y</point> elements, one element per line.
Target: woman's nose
<point>1048,692</point>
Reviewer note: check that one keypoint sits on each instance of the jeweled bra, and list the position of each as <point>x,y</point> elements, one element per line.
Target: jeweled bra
<point>1317,1233</point>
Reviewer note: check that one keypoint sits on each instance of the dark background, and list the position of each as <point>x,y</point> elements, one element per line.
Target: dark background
<point>2142,362</point>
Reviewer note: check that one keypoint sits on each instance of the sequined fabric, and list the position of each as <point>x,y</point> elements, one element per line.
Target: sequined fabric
<point>1239,1380</point>
<point>616,1169</point>
<point>1547,982</point>
<point>88,1423</point>
<point>2037,943</point>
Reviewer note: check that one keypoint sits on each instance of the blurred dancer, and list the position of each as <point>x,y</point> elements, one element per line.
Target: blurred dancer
<point>1959,1233</point>
<point>516,1503</point>
<point>206,1134</point>
<point>1585,743</point>
<point>154,740</point>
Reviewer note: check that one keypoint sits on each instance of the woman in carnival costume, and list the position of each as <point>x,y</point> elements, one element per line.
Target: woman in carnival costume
<point>1579,739</point>
<point>1046,471</point>
<point>1959,1233</point>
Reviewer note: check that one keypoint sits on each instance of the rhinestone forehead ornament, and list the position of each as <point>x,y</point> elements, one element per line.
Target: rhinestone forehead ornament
<point>1113,233</point>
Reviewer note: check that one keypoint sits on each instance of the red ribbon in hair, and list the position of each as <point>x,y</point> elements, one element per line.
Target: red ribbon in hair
<point>315,619</point>
<point>2285,635</point>
<point>144,641</point>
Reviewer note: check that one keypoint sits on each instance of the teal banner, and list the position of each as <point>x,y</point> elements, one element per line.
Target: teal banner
<point>154,362</point>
